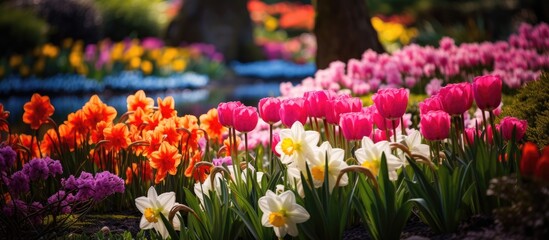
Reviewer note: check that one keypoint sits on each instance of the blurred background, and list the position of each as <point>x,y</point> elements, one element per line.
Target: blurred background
<point>190,48</point>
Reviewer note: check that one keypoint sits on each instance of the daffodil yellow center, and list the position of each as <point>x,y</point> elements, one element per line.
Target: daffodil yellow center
<point>373,166</point>
<point>289,146</point>
<point>277,219</point>
<point>318,172</point>
<point>150,215</point>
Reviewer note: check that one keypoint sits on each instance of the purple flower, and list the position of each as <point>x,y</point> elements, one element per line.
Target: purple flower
<point>85,185</point>
<point>69,183</point>
<point>37,168</point>
<point>107,184</point>
<point>54,166</point>
<point>19,183</point>
<point>59,201</point>
<point>15,207</point>
<point>220,161</point>
<point>7,157</point>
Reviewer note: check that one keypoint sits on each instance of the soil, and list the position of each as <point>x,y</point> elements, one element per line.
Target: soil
<point>477,227</point>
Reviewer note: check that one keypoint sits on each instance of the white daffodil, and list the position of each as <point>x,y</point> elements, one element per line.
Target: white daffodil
<point>297,145</point>
<point>317,166</point>
<point>413,142</point>
<point>282,213</point>
<point>152,206</point>
<point>369,156</point>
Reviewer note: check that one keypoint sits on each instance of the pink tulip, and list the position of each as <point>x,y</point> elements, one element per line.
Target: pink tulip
<point>380,135</point>
<point>292,110</point>
<point>507,125</point>
<point>316,102</point>
<point>470,134</point>
<point>487,92</point>
<point>456,98</point>
<point>276,140</point>
<point>225,113</point>
<point>342,104</point>
<point>269,109</point>
<point>435,125</point>
<point>245,118</point>
<point>391,103</point>
<point>355,125</point>
<point>380,122</point>
<point>430,104</point>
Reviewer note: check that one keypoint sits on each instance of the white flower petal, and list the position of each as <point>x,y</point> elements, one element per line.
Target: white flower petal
<point>142,203</point>
<point>166,200</point>
<point>280,231</point>
<point>144,224</point>
<point>292,229</point>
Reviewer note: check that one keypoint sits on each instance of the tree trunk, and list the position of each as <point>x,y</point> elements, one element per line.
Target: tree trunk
<point>225,24</point>
<point>343,31</point>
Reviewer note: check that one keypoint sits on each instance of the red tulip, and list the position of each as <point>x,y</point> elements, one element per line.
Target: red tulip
<point>225,113</point>
<point>355,125</point>
<point>542,168</point>
<point>508,124</point>
<point>316,102</point>
<point>391,102</point>
<point>529,159</point>
<point>487,92</point>
<point>245,118</point>
<point>435,125</point>
<point>292,110</point>
<point>269,109</point>
<point>456,98</point>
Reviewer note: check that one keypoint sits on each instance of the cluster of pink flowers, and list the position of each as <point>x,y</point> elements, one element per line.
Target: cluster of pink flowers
<point>517,61</point>
<point>454,100</point>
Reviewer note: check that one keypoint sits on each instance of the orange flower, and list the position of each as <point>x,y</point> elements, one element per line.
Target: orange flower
<point>144,170</point>
<point>227,146</point>
<point>189,122</point>
<point>117,136</point>
<point>167,107</point>
<point>25,140</point>
<point>201,173</point>
<point>3,116</point>
<point>97,132</point>
<point>152,121</point>
<point>67,136</point>
<point>96,111</point>
<point>140,100</point>
<point>165,160</point>
<point>168,128</point>
<point>50,142</point>
<point>137,118</point>
<point>210,123</point>
<point>154,139</point>
<point>37,111</point>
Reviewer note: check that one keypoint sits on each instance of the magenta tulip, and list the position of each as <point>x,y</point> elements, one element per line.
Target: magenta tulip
<point>456,98</point>
<point>269,109</point>
<point>342,104</point>
<point>435,125</point>
<point>292,110</point>
<point>380,122</point>
<point>391,102</point>
<point>316,102</point>
<point>276,140</point>
<point>487,92</point>
<point>225,113</point>
<point>245,118</point>
<point>430,104</point>
<point>507,125</point>
<point>380,135</point>
<point>355,125</point>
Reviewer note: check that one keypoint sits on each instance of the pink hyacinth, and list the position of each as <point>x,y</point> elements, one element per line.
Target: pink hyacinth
<point>292,110</point>
<point>225,113</point>
<point>487,91</point>
<point>435,125</point>
<point>456,98</point>
<point>509,124</point>
<point>391,103</point>
<point>245,118</point>
<point>269,109</point>
<point>355,125</point>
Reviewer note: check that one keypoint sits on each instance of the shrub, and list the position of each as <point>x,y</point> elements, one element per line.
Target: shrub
<point>532,104</point>
<point>133,18</point>
<point>20,30</point>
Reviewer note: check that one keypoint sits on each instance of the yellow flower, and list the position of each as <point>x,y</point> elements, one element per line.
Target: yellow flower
<point>82,69</point>
<point>179,65</point>
<point>49,50</point>
<point>135,62</point>
<point>146,67</point>
<point>270,23</point>
<point>117,51</point>
<point>16,60</point>
<point>75,58</point>
<point>67,42</point>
